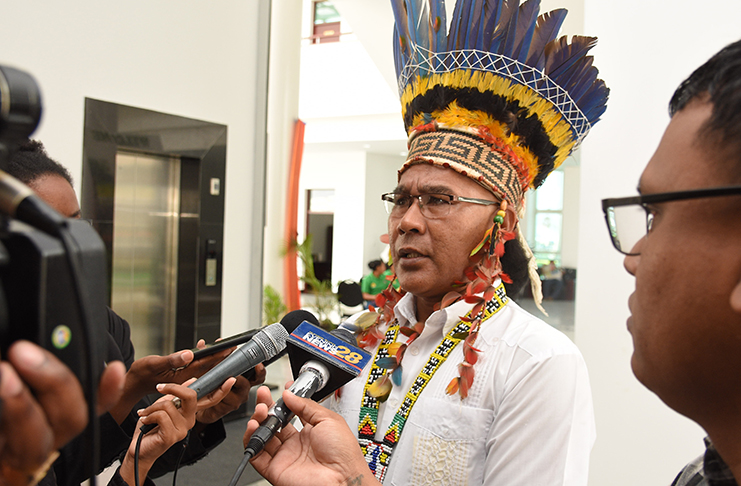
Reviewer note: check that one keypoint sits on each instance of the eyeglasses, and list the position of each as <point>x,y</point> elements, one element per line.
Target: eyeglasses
<point>432,206</point>
<point>630,218</point>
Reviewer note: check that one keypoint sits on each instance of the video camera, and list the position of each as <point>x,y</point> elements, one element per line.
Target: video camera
<point>53,286</point>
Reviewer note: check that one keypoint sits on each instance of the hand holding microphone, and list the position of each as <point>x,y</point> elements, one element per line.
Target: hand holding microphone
<point>324,452</point>
<point>264,347</point>
<point>326,362</point>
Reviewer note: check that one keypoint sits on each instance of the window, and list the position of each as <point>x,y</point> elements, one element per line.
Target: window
<point>326,23</point>
<point>546,220</point>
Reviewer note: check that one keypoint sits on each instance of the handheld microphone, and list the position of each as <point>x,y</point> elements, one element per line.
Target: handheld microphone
<point>326,362</point>
<point>265,346</point>
<point>290,321</point>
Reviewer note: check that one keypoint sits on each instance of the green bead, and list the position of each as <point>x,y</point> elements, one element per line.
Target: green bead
<point>498,219</point>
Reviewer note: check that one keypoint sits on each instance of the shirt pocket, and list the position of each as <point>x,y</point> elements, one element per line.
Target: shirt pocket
<point>444,443</point>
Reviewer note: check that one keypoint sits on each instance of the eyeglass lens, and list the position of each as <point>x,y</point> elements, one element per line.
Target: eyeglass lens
<point>431,205</point>
<point>627,226</point>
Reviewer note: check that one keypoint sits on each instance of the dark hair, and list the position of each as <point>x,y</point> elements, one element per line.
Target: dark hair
<point>373,264</point>
<point>30,162</point>
<point>720,80</point>
<point>515,264</point>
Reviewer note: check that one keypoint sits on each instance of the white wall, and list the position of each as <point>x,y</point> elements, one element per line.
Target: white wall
<point>570,228</point>
<point>189,58</point>
<point>645,50</point>
<point>285,62</point>
<point>342,172</point>
<point>380,177</point>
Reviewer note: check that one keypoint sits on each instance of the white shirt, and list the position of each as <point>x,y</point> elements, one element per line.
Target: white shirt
<point>528,418</point>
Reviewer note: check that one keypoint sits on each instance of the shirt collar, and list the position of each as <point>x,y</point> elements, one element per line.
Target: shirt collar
<point>439,321</point>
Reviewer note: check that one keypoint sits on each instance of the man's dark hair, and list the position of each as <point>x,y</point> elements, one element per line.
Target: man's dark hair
<point>720,80</point>
<point>31,162</point>
<point>515,264</point>
<point>373,264</point>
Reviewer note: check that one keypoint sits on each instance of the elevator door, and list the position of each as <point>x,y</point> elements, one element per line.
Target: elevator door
<point>145,249</point>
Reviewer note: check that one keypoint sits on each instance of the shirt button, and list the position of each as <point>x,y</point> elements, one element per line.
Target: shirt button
<point>414,350</point>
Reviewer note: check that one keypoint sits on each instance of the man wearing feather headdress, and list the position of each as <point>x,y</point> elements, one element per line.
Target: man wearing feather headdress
<point>686,333</point>
<point>466,387</point>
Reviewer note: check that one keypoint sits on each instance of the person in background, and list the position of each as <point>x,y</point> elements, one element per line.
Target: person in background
<point>552,281</point>
<point>53,183</point>
<point>682,241</point>
<point>374,283</point>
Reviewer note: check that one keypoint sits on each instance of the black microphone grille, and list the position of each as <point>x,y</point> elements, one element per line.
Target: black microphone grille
<point>294,319</point>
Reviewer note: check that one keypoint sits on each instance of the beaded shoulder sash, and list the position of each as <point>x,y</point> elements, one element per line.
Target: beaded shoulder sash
<point>378,455</point>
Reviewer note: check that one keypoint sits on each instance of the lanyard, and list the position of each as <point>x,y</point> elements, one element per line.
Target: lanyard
<point>378,455</point>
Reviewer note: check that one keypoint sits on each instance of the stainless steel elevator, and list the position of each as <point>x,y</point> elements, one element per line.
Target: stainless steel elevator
<point>153,186</point>
<point>145,248</point>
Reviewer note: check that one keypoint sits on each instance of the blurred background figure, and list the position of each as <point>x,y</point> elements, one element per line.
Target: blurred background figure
<point>552,281</point>
<point>375,282</point>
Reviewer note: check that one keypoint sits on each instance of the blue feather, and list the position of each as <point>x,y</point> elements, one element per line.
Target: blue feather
<point>501,29</point>
<point>545,32</point>
<point>511,31</point>
<point>455,26</point>
<point>402,32</point>
<point>526,21</point>
<point>474,23</point>
<point>396,376</point>
<point>594,102</point>
<point>560,60</point>
<point>399,58</point>
<point>493,12</point>
<point>437,20</point>
<point>387,363</point>
<point>579,78</point>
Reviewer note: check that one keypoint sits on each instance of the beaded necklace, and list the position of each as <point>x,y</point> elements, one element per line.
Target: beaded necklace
<point>378,455</point>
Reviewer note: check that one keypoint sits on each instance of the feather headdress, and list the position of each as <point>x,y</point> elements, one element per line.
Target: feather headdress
<point>498,96</point>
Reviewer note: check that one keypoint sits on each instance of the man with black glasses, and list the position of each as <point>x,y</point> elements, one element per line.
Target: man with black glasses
<point>682,241</point>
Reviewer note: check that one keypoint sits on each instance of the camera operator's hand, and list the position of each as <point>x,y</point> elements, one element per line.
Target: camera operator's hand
<point>43,407</point>
<point>147,372</point>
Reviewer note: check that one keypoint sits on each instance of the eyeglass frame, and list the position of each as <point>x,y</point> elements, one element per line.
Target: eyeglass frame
<point>662,197</point>
<point>453,198</point>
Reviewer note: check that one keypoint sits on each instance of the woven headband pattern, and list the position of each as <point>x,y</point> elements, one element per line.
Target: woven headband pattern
<point>469,156</point>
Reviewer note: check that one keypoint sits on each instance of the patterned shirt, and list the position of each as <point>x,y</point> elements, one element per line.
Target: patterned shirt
<point>706,470</point>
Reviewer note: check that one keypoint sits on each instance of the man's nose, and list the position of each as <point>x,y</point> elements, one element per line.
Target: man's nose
<point>631,261</point>
<point>413,220</point>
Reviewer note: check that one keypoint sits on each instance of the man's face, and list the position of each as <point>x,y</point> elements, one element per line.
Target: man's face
<point>687,339</point>
<point>57,193</point>
<point>430,254</point>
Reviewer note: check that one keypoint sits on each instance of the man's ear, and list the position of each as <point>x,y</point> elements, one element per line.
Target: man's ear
<point>510,219</point>
<point>736,298</point>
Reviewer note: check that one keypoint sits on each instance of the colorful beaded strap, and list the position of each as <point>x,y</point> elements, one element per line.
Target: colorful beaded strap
<point>378,455</point>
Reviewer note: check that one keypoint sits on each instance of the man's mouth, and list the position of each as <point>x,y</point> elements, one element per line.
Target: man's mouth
<point>407,253</point>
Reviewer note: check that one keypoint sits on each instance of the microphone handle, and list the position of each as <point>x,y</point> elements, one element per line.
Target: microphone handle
<point>313,377</point>
<point>233,365</point>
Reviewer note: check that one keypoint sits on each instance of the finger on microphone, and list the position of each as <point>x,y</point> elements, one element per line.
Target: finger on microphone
<point>217,395</point>
<point>264,402</point>
<point>309,411</point>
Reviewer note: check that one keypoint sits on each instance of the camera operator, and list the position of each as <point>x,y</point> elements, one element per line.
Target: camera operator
<point>43,407</point>
<point>52,182</point>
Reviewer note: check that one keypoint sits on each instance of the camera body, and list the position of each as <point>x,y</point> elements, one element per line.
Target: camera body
<point>53,287</point>
<point>41,302</point>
